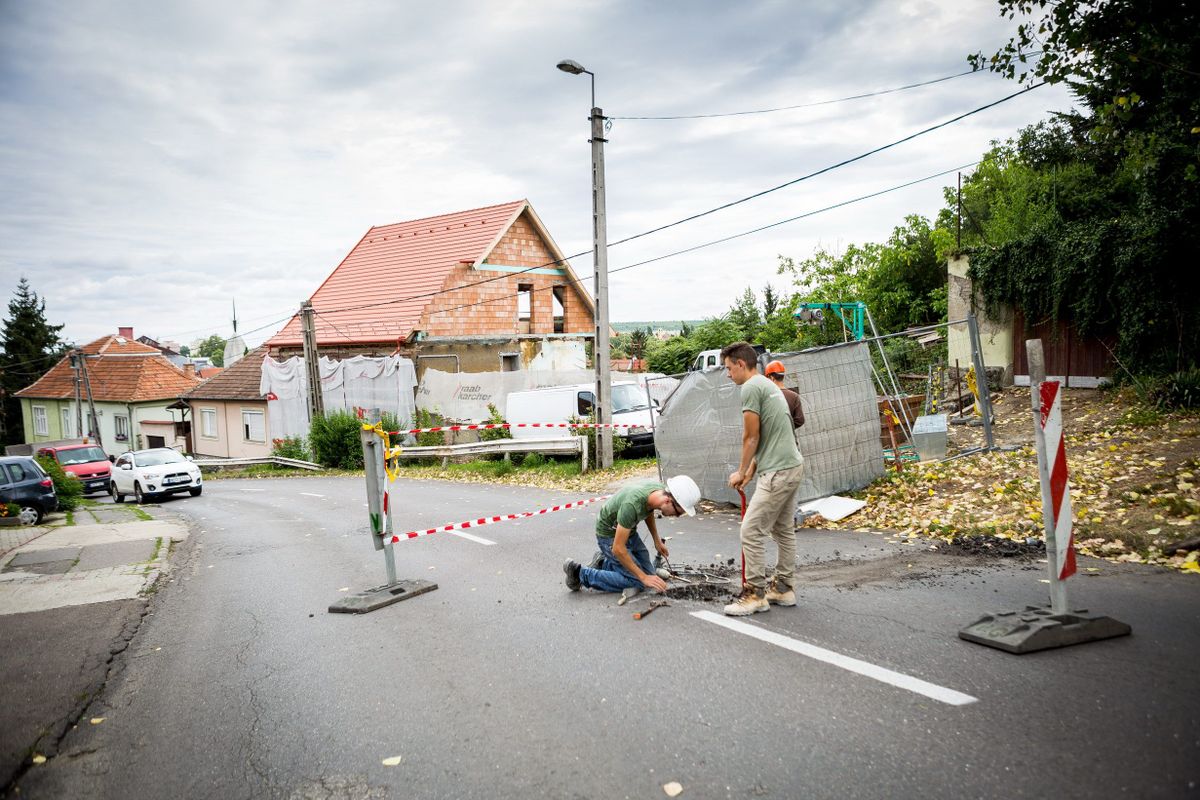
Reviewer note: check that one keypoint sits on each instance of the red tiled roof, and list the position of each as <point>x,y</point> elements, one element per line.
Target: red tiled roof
<point>403,259</point>
<point>238,382</point>
<point>208,372</point>
<point>120,370</point>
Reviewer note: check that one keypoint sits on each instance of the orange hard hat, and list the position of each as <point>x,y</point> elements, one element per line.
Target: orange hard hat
<point>775,367</point>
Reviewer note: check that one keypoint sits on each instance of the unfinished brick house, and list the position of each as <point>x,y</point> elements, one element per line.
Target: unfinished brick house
<point>473,291</point>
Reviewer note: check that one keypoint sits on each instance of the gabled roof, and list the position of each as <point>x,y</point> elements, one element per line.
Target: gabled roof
<point>405,259</point>
<point>120,370</point>
<point>238,382</point>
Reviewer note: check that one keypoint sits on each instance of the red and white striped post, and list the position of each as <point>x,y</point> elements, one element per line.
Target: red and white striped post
<point>1052,469</point>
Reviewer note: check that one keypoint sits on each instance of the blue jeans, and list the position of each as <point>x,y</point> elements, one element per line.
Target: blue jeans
<point>612,576</point>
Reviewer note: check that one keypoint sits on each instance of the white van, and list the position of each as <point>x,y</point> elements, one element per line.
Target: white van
<point>560,403</point>
<point>709,359</point>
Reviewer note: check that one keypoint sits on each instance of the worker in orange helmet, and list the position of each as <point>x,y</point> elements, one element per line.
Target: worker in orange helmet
<point>775,372</point>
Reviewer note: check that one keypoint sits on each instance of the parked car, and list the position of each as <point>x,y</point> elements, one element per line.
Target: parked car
<point>630,406</point>
<point>161,470</point>
<point>87,462</point>
<point>24,482</point>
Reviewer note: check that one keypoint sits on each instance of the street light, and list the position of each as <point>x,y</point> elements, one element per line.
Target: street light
<point>600,348</point>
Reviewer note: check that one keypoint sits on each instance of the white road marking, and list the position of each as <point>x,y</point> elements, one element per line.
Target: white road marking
<point>472,537</point>
<point>310,494</point>
<point>867,669</point>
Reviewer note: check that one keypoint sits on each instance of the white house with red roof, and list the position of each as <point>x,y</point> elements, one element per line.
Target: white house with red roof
<point>473,291</point>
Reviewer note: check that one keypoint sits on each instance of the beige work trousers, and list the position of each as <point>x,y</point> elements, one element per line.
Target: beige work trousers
<point>770,513</point>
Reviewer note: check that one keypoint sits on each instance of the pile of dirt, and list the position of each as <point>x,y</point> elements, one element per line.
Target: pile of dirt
<point>994,547</point>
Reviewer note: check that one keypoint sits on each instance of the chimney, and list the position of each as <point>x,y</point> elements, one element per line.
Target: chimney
<point>125,332</point>
<point>189,369</point>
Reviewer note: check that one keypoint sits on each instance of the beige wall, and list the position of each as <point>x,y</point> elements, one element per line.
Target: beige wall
<point>995,333</point>
<point>229,441</point>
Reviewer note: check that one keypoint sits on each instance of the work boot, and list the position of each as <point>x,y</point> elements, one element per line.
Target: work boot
<point>750,601</point>
<point>780,595</point>
<point>571,568</point>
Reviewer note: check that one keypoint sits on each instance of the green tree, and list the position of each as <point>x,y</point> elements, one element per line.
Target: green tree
<point>1124,188</point>
<point>637,343</point>
<point>744,316</point>
<point>29,347</point>
<point>212,348</point>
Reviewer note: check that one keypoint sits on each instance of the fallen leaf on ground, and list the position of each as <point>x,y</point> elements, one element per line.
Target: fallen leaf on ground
<point>391,762</point>
<point>673,788</point>
<point>96,720</point>
<point>39,759</point>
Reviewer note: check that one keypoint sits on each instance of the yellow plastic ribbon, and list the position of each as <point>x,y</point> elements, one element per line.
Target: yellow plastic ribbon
<point>391,455</point>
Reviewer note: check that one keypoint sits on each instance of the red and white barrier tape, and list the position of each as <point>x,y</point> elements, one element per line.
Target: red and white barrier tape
<point>493,425</point>
<point>475,523</point>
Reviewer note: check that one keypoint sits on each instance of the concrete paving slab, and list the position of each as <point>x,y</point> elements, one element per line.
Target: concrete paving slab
<point>81,535</point>
<point>44,556</point>
<point>42,568</point>
<point>76,589</point>
<point>114,554</point>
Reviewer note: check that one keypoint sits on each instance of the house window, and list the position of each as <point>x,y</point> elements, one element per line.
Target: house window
<point>40,426</point>
<point>524,307</point>
<point>121,425</point>
<point>510,362</point>
<point>560,309</point>
<point>66,421</point>
<point>253,428</point>
<point>208,423</point>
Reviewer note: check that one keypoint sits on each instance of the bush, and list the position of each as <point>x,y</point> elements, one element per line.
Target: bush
<point>429,419</point>
<point>335,440</point>
<point>494,434</point>
<point>9,509</point>
<point>533,461</point>
<point>290,447</point>
<point>619,442</point>
<point>67,487</point>
<point>1177,390</point>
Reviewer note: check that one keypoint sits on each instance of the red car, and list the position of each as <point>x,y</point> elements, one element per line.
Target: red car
<point>88,462</point>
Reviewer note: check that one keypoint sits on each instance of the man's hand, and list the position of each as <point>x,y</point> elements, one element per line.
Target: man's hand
<point>736,479</point>
<point>654,582</point>
<point>661,547</point>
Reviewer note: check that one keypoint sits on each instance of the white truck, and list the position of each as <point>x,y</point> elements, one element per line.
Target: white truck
<point>630,406</point>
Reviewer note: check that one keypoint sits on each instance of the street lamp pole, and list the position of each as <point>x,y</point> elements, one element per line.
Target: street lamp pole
<point>600,345</point>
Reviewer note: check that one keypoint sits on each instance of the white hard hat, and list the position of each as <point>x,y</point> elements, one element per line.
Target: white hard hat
<point>686,493</point>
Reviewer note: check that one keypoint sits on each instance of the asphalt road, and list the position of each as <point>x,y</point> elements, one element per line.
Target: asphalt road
<point>501,683</point>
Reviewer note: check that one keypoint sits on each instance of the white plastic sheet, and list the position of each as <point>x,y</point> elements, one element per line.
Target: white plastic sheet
<point>385,383</point>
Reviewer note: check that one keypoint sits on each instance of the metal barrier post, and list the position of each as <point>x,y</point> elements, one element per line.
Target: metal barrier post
<point>1039,627</point>
<point>375,444</point>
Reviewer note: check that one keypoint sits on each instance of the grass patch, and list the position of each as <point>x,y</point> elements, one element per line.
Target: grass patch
<point>273,471</point>
<point>140,513</point>
<point>70,518</point>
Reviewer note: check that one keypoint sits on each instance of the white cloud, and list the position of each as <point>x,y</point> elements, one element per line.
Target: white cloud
<point>162,160</point>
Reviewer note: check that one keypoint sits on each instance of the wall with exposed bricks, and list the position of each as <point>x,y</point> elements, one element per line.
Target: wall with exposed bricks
<point>521,246</point>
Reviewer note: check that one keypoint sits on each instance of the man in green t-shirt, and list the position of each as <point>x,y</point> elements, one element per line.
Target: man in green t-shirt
<point>768,450</point>
<point>624,561</point>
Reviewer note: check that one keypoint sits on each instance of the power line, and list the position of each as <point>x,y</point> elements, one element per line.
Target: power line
<point>738,235</point>
<point>809,105</point>
<point>699,215</point>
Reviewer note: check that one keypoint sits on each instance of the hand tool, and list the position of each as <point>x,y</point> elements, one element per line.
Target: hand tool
<point>654,605</point>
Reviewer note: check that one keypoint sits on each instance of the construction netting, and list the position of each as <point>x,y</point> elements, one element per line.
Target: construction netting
<point>699,429</point>
<point>465,396</point>
<point>384,383</point>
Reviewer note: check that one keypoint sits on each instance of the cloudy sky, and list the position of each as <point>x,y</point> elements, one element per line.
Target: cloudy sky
<point>162,159</point>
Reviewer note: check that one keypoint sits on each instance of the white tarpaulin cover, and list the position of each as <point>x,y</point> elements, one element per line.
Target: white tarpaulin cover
<point>361,382</point>
<point>699,431</point>
<point>464,396</point>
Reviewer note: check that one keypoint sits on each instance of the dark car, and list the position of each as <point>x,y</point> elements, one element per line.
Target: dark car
<point>24,482</point>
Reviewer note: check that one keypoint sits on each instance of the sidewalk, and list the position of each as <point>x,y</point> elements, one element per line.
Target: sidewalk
<point>72,594</point>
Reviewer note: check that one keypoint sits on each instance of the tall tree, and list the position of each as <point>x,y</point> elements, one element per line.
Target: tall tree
<point>1123,175</point>
<point>637,343</point>
<point>30,347</point>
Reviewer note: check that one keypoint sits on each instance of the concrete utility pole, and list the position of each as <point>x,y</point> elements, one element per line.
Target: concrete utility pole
<point>316,405</point>
<point>600,347</point>
<point>93,423</point>
<point>76,360</point>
